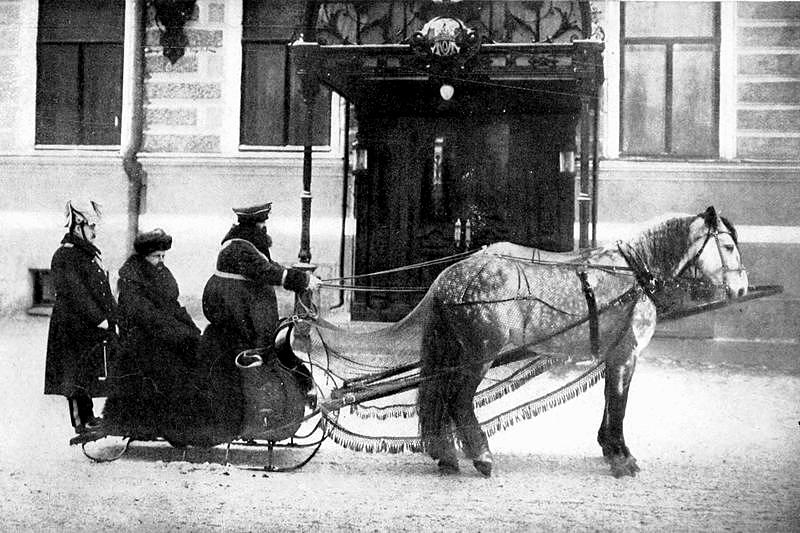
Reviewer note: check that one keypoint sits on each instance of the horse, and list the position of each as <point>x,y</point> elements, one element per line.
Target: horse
<point>604,302</point>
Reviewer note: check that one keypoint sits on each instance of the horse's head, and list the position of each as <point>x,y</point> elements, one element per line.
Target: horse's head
<point>713,254</point>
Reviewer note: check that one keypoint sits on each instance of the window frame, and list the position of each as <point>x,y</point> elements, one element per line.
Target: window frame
<point>331,102</point>
<point>669,44</point>
<point>66,36</point>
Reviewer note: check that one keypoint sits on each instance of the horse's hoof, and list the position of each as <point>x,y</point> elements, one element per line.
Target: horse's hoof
<point>623,466</point>
<point>483,463</point>
<point>448,467</point>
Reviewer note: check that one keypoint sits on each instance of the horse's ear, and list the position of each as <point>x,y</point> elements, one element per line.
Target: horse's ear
<point>710,217</point>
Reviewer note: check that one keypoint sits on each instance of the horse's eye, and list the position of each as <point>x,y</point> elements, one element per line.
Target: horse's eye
<point>729,248</point>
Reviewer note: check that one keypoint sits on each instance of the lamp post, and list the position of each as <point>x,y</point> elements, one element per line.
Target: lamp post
<point>310,85</point>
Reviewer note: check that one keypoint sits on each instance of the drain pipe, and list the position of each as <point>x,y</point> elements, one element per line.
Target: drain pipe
<point>133,113</point>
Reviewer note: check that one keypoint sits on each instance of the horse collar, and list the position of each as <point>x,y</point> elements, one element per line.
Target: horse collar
<point>647,281</point>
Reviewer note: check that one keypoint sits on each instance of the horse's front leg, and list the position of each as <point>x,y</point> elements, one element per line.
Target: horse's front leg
<point>620,365</point>
<point>611,436</point>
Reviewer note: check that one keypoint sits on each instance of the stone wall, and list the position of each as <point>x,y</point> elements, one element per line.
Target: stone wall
<point>768,69</point>
<point>185,101</point>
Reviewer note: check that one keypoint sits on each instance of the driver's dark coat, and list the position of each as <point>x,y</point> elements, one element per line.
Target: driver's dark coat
<point>247,308</point>
<point>242,314</point>
<point>83,301</point>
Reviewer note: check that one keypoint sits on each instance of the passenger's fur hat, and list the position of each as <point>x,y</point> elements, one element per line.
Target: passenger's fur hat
<point>152,241</point>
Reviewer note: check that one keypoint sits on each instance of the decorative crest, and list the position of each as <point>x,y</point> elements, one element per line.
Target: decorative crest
<point>446,38</point>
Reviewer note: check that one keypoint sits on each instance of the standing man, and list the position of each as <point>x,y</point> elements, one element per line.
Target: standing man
<point>83,317</point>
<point>240,304</point>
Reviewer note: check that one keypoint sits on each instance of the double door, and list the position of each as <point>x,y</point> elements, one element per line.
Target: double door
<point>438,186</point>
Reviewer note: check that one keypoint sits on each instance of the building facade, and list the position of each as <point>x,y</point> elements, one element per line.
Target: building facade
<point>700,105</point>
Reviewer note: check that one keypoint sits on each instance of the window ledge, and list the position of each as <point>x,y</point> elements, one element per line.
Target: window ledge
<point>41,310</point>
<point>734,169</point>
<point>78,147</point>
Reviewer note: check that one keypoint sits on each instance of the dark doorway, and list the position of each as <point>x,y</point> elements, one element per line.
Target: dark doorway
<point>439,185</point>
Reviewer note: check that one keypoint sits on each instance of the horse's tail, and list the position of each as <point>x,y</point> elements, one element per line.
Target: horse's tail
<point>440,353</point>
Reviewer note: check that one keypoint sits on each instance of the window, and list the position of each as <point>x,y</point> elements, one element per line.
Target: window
<point>43,291</point>
<point>670,79</point>
<point>79,72</point>
<point>273,111</point>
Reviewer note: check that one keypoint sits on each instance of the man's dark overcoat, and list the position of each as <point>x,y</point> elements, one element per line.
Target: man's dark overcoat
<point>83,301</point>
<point>240,304</point>
<point>158,341</point>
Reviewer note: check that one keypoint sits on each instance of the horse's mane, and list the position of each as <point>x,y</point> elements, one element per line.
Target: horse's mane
<point>663,244</point>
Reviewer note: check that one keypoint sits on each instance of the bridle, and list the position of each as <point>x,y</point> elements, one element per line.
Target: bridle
<point>653,285</point>
<point>692,264</point>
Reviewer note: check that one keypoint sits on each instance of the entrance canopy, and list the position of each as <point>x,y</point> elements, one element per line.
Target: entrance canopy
<point>471,114</point>
<point>418,57</point>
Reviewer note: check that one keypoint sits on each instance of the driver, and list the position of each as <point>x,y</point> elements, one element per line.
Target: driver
<point>240,304</point>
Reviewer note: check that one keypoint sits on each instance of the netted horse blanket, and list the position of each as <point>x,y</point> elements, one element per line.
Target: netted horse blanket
<point>539,313</point>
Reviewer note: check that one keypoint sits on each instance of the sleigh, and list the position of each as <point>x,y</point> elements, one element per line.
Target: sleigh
<point>523,317</point>
<point>296,429</point>
<point>287,430</point>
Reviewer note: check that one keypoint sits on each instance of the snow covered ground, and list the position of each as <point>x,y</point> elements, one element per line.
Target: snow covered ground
<point>719,449</point>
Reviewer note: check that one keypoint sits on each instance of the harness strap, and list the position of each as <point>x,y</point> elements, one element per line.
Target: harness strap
<point>231,275</point>
<point>591,304</point>
<point>647,281</point>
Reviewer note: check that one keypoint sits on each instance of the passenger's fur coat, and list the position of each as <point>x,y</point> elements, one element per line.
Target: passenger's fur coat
<point>157,367</point>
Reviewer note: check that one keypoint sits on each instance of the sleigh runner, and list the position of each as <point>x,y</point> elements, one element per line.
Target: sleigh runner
<point>512,312</point>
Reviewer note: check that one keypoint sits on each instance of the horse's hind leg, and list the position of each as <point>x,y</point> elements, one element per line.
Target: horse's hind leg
<point>610,436</point>
<point>435,425</point>
<point>476,445</point>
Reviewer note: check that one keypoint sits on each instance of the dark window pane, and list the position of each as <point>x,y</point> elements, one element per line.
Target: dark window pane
<point>81,21</point>
<point>57,94</point>
<point>643,100</point>
<point>273,111</point>
<point>322,114</point>
<point>263,82</point>
<point>693,119</point>
<point>669,19</point>
<point>79,71</point>
<point>102,93</point>
<point>266,20</point>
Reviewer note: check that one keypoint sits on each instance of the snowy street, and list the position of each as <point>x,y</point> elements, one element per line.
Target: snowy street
<point>719,449</point>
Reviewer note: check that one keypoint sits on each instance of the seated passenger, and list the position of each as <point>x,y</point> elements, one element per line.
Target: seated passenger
<point>158,344</point>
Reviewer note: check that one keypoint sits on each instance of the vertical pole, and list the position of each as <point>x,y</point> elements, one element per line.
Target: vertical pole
<point>310,88</point>
<point>305,197</point>
<point>595,170</point>
<point>584,199</point>
<point>303,301</point>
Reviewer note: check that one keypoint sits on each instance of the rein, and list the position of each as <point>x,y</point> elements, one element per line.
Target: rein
<point>329,282</point>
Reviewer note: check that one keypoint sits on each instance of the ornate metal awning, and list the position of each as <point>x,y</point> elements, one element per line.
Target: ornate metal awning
<point>352,47</point>
<point>563,69</point>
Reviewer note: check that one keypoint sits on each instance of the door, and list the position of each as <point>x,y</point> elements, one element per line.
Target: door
<point>438,186</point>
